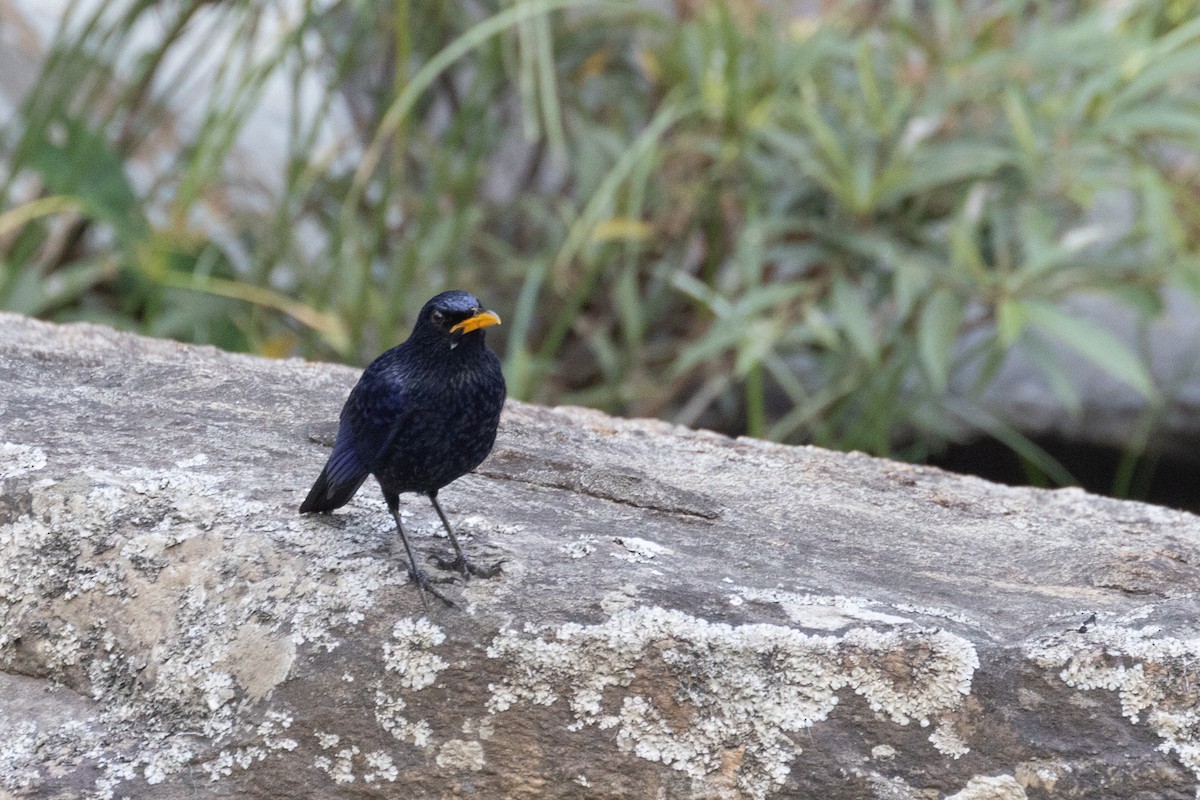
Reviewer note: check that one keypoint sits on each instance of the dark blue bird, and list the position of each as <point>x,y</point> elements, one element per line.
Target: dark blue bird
<point>423,414</point>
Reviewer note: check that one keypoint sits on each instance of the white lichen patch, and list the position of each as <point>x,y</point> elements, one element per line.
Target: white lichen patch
<point>259,659</point>
<point>165,760</point>
<point>1043,775</point>
<point>382,768</point>
<point>1156,678</point>
<point>128,586</point>
<point>340,767</point>
<point>947,740</point>
<point>482,729</point>
<point>271,731</point>
<point>409,655</point>
<point>198,460</point>
<point>349,764</point>
<point>991,787</point>
<point>342,584</point>
<point>242,758</point>
<point>388,714</point>
<point>640,550</point>
<point>474,524</point>
<point>682,691</point>
<point>619,599</point>
<point>20,459</point>
<point>326,740</point>
<point>823,612</point>
<point>883,752</point>
<point>585,545</point>
<point>18,757</point>
<point>460,754</point>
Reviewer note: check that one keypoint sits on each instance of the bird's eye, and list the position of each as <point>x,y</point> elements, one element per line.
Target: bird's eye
<point>438,317</point>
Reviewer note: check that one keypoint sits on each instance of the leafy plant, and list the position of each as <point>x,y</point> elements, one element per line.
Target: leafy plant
<point>830,229</point>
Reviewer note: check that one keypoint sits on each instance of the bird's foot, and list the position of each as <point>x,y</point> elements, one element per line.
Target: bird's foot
<point>425,585</point>
<point>467,567</point>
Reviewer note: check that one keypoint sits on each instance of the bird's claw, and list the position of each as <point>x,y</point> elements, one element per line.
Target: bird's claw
<point>467,567</point>
<point>424,584</point>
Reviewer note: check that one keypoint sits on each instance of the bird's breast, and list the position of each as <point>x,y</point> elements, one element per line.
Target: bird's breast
<point>444,427</point>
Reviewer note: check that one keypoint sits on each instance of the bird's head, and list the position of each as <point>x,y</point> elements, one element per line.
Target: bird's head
<point>454,315</point>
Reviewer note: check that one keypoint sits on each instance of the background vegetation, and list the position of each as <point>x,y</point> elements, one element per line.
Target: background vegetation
<point>824,229</point>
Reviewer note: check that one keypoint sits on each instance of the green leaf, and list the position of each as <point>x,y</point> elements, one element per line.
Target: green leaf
<point>1011,317</point>
<point>1016,441</point>
<point>965,252</point>
<point>1050,364</point>
<point>756,342</point>
<point>719,339</point>
<point>1017,111</point>
<point>1094,343</point>
<point>855,319</point>
<point>868,84</point>
<point>767,298</point>
<point>1174,119</point>
<point>830,144</point>
<point>937,164</point>
<point>83,165</point>
<point>1162,70</point>
<point>16,218</point>
<point>908,286</point>
<point>1158,213</point>
<point>937,331</point>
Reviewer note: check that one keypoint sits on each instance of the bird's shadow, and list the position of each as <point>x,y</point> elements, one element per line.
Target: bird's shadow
<point>378,538</point>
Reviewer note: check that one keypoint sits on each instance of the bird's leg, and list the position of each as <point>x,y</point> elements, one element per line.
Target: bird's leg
<point>460,562</point>
<point>419,577</point>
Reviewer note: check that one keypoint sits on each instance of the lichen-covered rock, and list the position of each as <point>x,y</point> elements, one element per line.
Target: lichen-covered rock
<point>680,615</point>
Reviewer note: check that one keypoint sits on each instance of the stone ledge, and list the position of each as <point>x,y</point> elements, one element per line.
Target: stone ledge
<point>680,614</point>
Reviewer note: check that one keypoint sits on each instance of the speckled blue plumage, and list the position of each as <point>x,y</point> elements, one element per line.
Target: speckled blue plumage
<point>423,414</point>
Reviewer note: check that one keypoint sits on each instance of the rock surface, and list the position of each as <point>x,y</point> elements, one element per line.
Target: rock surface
<point>680,615</point>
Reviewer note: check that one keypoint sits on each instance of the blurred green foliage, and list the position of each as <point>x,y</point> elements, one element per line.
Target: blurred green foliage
<point>825,229</point>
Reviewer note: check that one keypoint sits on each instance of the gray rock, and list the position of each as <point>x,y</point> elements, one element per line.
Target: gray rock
<point>1112,413</point>
<point>680,614</point>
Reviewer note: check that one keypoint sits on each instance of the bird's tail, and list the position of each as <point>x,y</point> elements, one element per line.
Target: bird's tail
<point>326,494</point>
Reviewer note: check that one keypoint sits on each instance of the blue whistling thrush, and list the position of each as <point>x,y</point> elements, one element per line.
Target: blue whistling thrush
<point>422,415</point>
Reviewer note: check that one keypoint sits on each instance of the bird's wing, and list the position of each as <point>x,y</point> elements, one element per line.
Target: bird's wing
<point>344,466</point>
<point>341,477</point>
<point>382,406</point>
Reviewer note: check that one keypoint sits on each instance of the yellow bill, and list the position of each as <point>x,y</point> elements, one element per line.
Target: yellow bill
<point>484,319</point>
